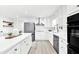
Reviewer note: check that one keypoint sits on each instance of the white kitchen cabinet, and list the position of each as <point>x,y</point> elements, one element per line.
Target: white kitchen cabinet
<point>25,45</point>
<point>50,37</point>
<point>14,50</point>
<point>40,36</point>
<point>62,46</point>
<point>22,47</point>
<point>40,33</point>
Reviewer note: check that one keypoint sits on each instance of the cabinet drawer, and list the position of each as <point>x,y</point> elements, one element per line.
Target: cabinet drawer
<point>40,33</point>
<point>14,50</point>
<point>21,47</point>
<point>25,46</point>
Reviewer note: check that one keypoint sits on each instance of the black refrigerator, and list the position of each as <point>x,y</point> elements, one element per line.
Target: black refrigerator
<point>30,28</point>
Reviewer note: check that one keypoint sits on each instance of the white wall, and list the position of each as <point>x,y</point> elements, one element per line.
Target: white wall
<point>20,22</point>
<point>1,27</point>
<point>5,30</point>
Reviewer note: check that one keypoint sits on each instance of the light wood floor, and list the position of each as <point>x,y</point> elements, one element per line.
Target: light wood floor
<point>42,47</point>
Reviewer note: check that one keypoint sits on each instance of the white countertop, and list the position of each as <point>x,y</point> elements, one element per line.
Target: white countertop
<point>64,35</point>
<point>6,44</point>
<point>56,33</point>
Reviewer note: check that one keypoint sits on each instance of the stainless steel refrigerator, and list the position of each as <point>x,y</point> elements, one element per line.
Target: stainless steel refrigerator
<point>30,28</point>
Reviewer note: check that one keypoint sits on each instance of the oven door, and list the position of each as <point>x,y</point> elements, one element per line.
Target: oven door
<point>74,37</point>
<point>72,31</point>
<point>72,49</point>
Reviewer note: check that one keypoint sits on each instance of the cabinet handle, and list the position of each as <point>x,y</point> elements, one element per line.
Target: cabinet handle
<point>15,49</point>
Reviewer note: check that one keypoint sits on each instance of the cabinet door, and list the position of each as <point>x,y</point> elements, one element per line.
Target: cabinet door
<point>50,37</point>
<point>62,46</point>
<point>40,36</point>
<point>14,50</point>
<point>26,45</point>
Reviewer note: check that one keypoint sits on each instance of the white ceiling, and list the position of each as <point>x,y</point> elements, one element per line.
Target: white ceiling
<point>28,10</point>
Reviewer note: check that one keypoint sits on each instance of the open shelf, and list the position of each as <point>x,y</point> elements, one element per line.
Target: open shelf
<point>7,22</point>
<point>7,26</point>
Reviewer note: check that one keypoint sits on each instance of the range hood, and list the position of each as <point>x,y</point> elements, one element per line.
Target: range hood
<point>39,22</point>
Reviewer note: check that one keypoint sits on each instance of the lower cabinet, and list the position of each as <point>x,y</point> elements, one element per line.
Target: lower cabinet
<point>40,33</point>
<point>40,36</point>
<point>25,46</point>
<point>62,46</point>
<point>22,47</point>
<point>50,37</point>
<point>14,50</point>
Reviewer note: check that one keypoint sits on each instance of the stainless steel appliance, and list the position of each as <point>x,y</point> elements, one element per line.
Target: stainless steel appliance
<point>73,34</point>
<point>56,43</point>
<point>30,28</point>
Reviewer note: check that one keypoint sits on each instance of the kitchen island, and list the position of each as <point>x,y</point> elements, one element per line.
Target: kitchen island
<point>17,45</point>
